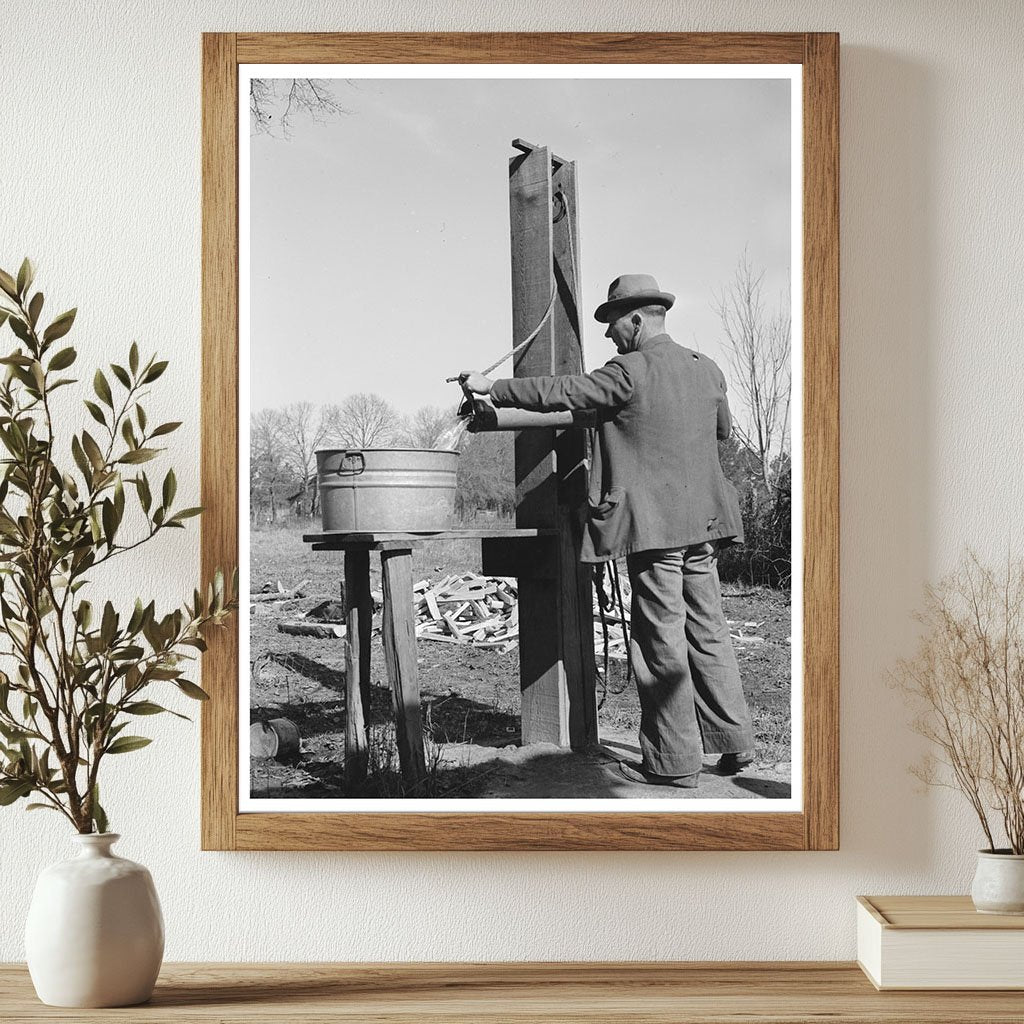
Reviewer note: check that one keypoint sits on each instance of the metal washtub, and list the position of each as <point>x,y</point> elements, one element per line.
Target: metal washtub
<point>386,489</point>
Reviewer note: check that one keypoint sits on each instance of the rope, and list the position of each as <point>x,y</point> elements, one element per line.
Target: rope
<point>612,602</point>
<point>617,594</point>
<point>551,302</point>
<point>533,334</point>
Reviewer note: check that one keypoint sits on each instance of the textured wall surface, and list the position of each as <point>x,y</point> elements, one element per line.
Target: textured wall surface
<point>100,183</point>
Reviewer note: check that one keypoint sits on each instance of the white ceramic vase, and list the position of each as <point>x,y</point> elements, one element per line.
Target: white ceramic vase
<point>999,883</point>
<point>95,933</point>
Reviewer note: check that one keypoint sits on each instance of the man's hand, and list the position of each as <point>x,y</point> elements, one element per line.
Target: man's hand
<point>476,382</point>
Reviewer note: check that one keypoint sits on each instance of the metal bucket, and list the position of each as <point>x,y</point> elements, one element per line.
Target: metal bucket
<point>378,490</point>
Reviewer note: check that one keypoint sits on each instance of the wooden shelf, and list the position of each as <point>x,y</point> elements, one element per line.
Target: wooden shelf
<point>336,540</point>
<point>663,993</point>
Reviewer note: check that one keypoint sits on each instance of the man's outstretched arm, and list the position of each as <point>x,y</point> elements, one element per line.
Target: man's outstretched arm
<point>609,387</point>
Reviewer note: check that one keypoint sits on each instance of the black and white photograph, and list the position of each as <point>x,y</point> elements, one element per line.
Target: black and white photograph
<point>519,437</point>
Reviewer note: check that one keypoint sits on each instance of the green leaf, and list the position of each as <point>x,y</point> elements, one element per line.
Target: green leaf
<point>121,374</point>
<point>102,388</point>
<point>146,707</point>
<point>185,513</point>
<point>11,733</point>
<point>128,433</point>
<point>34,308</point>
<point>191,690</point>
<point>63,359</point>
<point>135,622</point>
<point>139,455</point>
<point>133,358</point>
<point>108,626</point>
<point>95,412</point>
<point>92,449</point>
<point>99,816</point>
<point>140,415</point>
<point>41,807</point>
<point>109,521</point>
<point>80,458</point>
<point>20,329</point>
<point>170,488</point>
<point>60,326</point>
<point>130,653</point>
<point>145,497</point>
<point>8,285</point>
<point>165,428</point>
<point>126,744</point>
<point>11,791</point>
<point>26,274</point>
<point>155,371</point>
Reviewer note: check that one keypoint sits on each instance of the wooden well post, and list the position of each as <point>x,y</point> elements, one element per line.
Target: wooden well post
<point>556,635</point>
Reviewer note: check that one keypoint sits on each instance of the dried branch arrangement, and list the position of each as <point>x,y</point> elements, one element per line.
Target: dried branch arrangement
<point>80,672</point>
<point>967,679</point>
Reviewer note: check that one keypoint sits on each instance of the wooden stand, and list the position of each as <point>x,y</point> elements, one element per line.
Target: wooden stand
<point>398,630</point>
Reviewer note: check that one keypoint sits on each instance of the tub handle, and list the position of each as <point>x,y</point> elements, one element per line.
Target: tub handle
<point>344,470</point>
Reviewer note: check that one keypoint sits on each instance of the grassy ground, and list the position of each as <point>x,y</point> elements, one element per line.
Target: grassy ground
<point>468,695</point>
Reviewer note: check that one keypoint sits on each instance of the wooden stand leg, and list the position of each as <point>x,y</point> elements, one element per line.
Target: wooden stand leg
<point>359,624</point>
<point>400,654</point>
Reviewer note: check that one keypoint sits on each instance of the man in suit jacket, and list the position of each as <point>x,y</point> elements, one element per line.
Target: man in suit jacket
<point>658,497</point>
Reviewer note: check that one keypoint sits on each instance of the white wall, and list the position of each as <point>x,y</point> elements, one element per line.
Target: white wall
<point>100,183</point>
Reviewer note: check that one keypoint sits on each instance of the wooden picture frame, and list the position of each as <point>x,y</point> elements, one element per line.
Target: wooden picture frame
<point>816,826</point>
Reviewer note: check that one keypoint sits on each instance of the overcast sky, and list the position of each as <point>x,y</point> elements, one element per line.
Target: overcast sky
<point>380,237</point>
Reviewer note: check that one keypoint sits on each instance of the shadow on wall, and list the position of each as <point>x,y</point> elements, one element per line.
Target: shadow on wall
<point>887,280</point>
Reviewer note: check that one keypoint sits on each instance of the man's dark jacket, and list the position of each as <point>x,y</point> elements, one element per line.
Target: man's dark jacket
<point>656,481</point>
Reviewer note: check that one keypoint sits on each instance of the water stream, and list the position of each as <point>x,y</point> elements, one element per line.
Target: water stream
<point>452,437</point>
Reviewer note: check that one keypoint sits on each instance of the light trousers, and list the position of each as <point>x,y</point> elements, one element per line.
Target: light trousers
<point>687,676</point>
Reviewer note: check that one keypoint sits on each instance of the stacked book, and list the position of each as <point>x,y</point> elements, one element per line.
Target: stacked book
<point>938,942</point>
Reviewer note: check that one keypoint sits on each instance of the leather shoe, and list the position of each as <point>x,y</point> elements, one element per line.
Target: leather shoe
<point>637,773</point>
<point>733,764</point>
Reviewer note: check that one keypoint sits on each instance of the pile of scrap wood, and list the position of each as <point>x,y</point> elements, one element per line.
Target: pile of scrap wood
<point>480,611</point>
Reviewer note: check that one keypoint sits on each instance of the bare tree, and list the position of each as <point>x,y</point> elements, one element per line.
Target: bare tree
<point>427,425</point>
<point>275,103</point>
<point>759,359</point>
<point>363,421</point>
<point>303,431</point>
<point>268,471</point>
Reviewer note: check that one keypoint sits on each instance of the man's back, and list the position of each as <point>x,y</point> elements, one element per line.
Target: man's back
<point>659,483</point>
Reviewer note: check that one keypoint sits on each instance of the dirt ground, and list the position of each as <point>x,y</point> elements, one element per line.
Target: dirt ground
<point>470,697</point>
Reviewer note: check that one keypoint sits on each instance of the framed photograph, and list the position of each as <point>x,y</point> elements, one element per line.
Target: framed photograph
<point>520,420</point>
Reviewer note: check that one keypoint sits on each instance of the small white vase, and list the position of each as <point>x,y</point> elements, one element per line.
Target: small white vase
<point>999,882</point>
<point>95,933</point>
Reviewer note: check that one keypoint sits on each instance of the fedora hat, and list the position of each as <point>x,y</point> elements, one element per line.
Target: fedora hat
<point>628,292</point>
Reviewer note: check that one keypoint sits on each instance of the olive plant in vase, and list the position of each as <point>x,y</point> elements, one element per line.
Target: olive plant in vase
<point>78,672</point>
<point>967,682</point>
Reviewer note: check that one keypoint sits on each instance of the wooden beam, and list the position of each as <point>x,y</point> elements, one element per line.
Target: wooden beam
<point>575,598</point>
<point>399,634</point>
<point>219,433</point>
<point>359,625</point>
<point>545,702</point>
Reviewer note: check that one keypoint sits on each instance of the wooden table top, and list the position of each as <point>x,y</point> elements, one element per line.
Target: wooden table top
<point>626,993</point>
<point>337,540</point>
